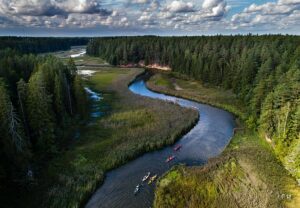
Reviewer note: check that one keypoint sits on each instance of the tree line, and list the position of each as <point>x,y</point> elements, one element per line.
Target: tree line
<point>40,100</point>
<point>263,71</point>
<point>40,45</point>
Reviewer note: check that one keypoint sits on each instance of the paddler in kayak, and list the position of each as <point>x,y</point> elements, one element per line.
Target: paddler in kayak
<point>146,177</point>
<point>170,158</point>
<point>136,190</point>
<point>152,179</point>
<point>177,147</point>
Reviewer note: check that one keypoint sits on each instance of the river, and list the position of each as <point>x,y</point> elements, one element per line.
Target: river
<point>205,140</point>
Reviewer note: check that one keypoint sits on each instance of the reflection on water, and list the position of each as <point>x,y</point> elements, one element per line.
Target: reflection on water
<point>82,52</point>
<point>95,97</point>
<point>207,139</point>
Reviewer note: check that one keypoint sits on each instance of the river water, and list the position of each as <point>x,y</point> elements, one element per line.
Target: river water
<point>207,139</point>
<point>95,98</point>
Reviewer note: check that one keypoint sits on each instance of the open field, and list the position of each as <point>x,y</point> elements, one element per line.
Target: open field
<point>247,174</point>
<point>132,125</point>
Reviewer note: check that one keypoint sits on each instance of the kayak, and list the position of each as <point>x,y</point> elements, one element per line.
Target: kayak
<point>170,158</point>
<point>152,179</point>
<point>146,177</point>
<point>136,190</point>
<point>177,147</point>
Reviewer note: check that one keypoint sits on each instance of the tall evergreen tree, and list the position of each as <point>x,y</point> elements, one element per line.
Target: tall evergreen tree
<point>40,114</point>
<point>80,97</point>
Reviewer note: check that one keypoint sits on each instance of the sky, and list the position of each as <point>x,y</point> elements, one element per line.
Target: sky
<point>148,17</point>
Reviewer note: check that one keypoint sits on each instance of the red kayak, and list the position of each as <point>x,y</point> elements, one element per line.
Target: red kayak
<point>177,147</point>
<point>170,158</point>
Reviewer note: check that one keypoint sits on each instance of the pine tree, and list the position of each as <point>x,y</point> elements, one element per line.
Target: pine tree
<point>72,67</point>
<point>22,96</point>
<point>40,114</point>
<point>59,96</point>
<point>11,127</point>
<point>80,97</point>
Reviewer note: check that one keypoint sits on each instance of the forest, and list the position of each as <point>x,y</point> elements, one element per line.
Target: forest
<point>41,100</point>
<point>40,45</point>
<point>263,72</point>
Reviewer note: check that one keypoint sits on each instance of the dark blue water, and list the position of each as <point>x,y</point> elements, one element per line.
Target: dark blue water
<point>207,139</point>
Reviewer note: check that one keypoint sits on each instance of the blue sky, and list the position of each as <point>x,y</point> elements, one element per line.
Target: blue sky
<point>239,6</point>
<point>144,17</point>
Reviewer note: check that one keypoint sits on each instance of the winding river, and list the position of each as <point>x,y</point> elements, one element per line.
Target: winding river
<point>206,139</point>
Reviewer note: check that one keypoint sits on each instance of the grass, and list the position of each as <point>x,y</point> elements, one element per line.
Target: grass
<point>89,61</point>
<point>105,77</point>
<point>79,61</point>
<point>247,174</point>
<point>160,80</point>
<point>134,125</point>
<point>182,86</point>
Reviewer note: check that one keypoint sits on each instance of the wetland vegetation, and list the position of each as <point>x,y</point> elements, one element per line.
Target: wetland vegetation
<point>247,174</point>
<point>133,126</point>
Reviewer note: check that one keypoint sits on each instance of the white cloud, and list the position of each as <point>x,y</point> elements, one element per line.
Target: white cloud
<point>58,13</point>
<point>51,7</point>
<point>270,15</point>
<point>212,10</point>
<point>154,5</point>
<point>215,8</point>
<point>289,2</point>
<point>145,17</point>
<point>208,4</point>
<point>140,1</point>
<point>180,6</point>
<point>186,16</point>
<point>269,8</point>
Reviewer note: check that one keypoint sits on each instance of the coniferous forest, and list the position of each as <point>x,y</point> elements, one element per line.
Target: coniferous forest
<point>40,45</point>
<point>263,71</point>
<point>41,100</point>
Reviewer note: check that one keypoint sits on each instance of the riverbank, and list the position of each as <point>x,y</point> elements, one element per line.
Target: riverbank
<point>247,174</point>
<point>131,126</point>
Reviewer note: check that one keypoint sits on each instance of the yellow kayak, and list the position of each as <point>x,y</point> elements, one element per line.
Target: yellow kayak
<point>152,179</point>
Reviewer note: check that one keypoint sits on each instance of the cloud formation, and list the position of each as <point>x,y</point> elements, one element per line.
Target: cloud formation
<point>149,15</point>
<point>214,9</point>
<point>139,1</point>
<point>271,15</point>
<point>180,6</point>
<point>57,13</point>
<point>51,7</point>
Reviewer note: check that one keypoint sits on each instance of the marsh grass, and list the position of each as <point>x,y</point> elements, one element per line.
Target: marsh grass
<point>195,90</point>
<point>247,174</point>
<point>132,126</point>
<point>84,60</point>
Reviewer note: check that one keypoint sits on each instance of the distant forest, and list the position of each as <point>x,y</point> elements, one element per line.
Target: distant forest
<point>263,71</point>
<point>41,100</point>
<point>40,45</point>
